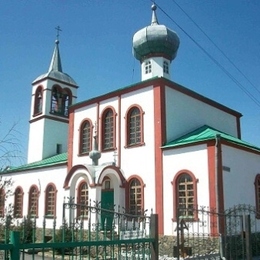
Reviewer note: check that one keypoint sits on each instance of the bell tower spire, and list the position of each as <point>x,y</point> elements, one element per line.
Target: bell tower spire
<point>52,94</point>
<point>56,60</point>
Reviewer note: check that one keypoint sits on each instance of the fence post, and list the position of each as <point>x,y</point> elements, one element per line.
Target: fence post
<point>15,241</point>
<point>155,236</point>
<point>248,237</point>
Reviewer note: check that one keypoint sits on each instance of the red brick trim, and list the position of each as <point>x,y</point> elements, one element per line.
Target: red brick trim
<point>159,139</point>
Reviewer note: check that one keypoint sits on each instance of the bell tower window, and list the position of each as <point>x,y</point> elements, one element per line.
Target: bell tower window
<point>66,104</point>
<point>55,97</point>
<point>38,101</point>
<point>60,101</point>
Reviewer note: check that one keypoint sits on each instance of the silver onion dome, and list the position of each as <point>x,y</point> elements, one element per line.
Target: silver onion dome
<point>155,39</point>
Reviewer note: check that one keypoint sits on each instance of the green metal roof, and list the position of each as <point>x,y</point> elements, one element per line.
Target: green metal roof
<point>206,133</point>
<point>51,161</point>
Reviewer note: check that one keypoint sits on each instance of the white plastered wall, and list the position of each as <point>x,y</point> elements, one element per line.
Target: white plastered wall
<point>141,160</point>
<point>240,170</point>
<point>193,159</point>
<point>134,161</point>
<point>41,178</point>
<point>44,135</point>
<point>185,114</point>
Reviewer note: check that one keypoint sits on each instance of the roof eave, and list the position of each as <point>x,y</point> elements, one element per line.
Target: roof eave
<point>224,141</point>
<point>31,168</point>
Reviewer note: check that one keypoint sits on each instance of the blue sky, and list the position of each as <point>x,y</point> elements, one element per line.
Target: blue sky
<point>96,51</point>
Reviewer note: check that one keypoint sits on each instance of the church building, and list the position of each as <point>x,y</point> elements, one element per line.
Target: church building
<point>151,145</point>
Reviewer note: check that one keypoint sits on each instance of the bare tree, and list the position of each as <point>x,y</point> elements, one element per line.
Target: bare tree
<point>10,148</point>
<point>10,152</point>
<point>6,191</point>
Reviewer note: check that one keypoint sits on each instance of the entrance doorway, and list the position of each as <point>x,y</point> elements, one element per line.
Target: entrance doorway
<point>107,203</point>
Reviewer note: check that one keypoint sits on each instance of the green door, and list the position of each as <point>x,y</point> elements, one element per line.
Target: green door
<point>107,202</point>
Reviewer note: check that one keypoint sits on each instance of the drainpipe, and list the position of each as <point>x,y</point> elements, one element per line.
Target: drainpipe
<point>219,189</point>
<point>217,170</point>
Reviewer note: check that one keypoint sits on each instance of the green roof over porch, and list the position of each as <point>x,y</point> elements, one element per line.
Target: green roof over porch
<point>207,133</point>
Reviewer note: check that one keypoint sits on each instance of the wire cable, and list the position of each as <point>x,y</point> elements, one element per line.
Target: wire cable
<point>217,47</point>
<point>240,85</point>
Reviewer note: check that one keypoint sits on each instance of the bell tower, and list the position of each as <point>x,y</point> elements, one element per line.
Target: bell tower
<point>52,94</point>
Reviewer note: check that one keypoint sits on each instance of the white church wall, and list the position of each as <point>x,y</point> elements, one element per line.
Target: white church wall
<point>58,134</point>
<point>140,160</point>
<point>41,178</point>
<point>193,159</point>
<point>185,114</point>
<point>90,112</point>
<point>240,170</point>
<point>35,148</point>
<point>139,97</point>
<point>111,102</point>
<point>144,99</point>
<point>134,161</point>
<point>44,136</point>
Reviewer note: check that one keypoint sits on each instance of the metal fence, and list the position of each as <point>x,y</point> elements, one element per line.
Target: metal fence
<point>99,234</point>
<point>204,233</point>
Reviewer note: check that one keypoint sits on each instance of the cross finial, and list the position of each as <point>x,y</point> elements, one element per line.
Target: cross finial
<point>95,128</point>
<point>58,32</point>
<point>114,155</point>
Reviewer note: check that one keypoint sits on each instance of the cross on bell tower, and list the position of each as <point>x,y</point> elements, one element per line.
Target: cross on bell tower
<point>58,29</point>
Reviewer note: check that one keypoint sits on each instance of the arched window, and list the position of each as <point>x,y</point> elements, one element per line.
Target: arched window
<point>60,101</point>
<point>66,101</point>
<point>2,202</point>
<point>165,67</point>
<point>257,194</point>
<point>33,201</point>
<point>135,197</point>
<point>85,137</point>
<point>82,210</point>
<point>50,201</point>
<point>148,67</point>
<point>134,127</point>
<point>38,101</point>
<point>185,193</point>
<point>18,203</point>
<point>55,100</point>
<point>108,130</point>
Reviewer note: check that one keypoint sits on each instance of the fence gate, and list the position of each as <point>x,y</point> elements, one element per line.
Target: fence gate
<point>242,233</point>
<point>204,233</point>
